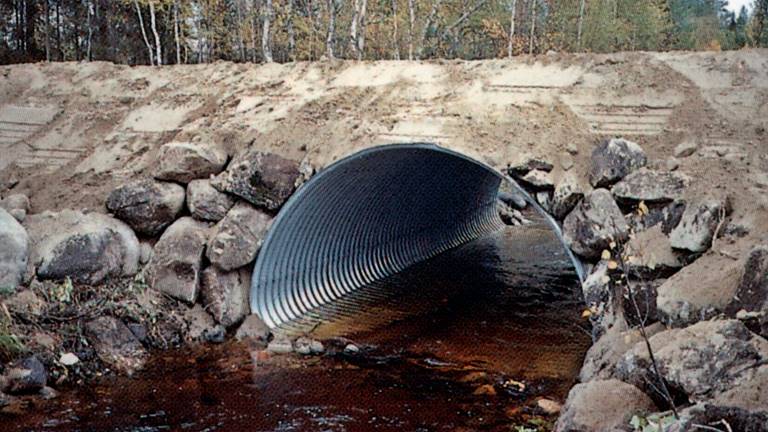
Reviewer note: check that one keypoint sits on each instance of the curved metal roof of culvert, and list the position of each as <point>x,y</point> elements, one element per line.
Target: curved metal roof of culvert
<point>367,217</point>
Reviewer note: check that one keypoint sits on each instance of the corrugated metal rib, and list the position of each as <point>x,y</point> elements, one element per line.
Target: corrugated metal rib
<point>366,218</point>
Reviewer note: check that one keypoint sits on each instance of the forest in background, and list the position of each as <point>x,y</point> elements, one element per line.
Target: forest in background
<point>198,31</point>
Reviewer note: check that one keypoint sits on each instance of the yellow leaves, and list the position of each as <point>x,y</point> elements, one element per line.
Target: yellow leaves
<point>642,209</point>
<point>606,255</point>
<point>612,265</point>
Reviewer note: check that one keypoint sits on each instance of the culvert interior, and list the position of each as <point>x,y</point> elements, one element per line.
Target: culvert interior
<point>361,233</point>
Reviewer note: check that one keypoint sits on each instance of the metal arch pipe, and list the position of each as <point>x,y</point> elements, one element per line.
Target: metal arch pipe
<point>369,216</point>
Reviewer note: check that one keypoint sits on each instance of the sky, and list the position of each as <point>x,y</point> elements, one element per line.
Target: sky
<point>735,5</point>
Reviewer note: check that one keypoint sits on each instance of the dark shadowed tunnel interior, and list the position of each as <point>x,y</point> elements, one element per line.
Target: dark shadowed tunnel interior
<point>356,241</point>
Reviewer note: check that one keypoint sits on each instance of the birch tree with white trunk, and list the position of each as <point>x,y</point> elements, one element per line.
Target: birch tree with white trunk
<point>512,14</point>
<point>144,33</point>
<point>153,23</point>
<point>331,33</point>
<point>266,47</point>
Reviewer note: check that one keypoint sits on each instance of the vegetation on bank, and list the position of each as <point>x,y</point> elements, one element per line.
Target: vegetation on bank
<point>198,31</point>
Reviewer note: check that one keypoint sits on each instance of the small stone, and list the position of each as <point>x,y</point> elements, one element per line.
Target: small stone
<point>545,200</point>
<point>18,214</point>
<point>685,149</point>
<point>145,252</point>
<point>15,202</point>
<point>199,323</point>
<point>225,294</point>
<point>549,406</point>
<point>215,334</point>
<point>526,163</point>
<point>253,328</point>
<point>538,180</point>
<point>69,359</point>
<point>485,390</point>
<point>351,349</point>
<point>185,161</point>
<point>48,393</point>
<point>572,148</point>
<point>148,206</point>
<point>566,162</point>
<point>280,345</point>
<point>613,160</point>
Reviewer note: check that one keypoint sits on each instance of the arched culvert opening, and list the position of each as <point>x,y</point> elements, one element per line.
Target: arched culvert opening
<point>358,233</point>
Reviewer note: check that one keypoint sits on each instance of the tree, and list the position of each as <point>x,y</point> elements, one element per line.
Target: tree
<point>266,48</point>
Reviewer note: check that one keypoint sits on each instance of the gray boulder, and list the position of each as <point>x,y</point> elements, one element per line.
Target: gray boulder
<point>176,262</point>
<point>567,194</point>
<point>700,360</point>
<point>185,161</point>
<point>115,344</point>
<point>207,203</point>
<point>86,247</point>
<point>594,224</point>
<point>602,405</point>
<point>751,298</point>
<point>602,298</point>
<point>225,294</point>
<point>236,239</point>
<point>613,160</point>
<point>266,180</point>
<point>14,251</point>
<point>25,376</point>
<point>698,224</point>
<point>699,291</point>
<point>607,352</point>
<point>650,254</point>
<point>148,206</point>
<point>650,186</point>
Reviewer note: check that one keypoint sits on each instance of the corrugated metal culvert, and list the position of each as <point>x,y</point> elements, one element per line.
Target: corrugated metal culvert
<point>368,217</point>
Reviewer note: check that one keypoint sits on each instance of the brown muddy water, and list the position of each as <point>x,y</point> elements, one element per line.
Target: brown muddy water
<point>469,340</point>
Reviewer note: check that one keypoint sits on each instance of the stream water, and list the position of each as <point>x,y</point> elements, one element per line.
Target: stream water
<point>469,340</point>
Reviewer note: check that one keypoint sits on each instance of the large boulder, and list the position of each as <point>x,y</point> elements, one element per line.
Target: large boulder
<point>651,255</point>
<point>707,357</point>
<point>148,206</point>
<point>185,161</point>
<point>538,180</point>
<point>236,239</point>
<point>14,251</point>
<point>225,294</point>
<point>25,376</point>
<point>602,405</point>
<point>751,297</point>
<point>594,224</point>
<point>698,224</point>
<point>526,162</point>
<point>613,160</point>
<point>177,258</point>
<point>86,247</point>
<point>607,352</point>
<point>266,180</point>
<point>115,344</point>
<point>568,193</point>
<point>207,203</point>
<point>699,291</point>
<point>650,186</point>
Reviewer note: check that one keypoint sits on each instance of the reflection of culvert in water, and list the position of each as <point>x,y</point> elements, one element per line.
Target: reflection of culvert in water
<point>367,218</point>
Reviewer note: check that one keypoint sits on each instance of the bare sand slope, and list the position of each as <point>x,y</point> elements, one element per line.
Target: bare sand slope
<point>70,132</point>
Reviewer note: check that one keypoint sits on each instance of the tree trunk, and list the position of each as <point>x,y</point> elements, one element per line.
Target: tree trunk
<point>176,31</point>
<point>239,30</point>
<point>533,27</point>
<point>511,28</point>
<point>47,31</point>
<point>427,25</point>
<point>411,22</point>
<point>159,55</point>
<point>291,33</point>
<point>266,49</point>
<point>395,42</point>
<point>58,30</point>
<point>581,24</point>
<point>361,32</point>
<point>144,32</point>
<point>353,29</point>
<point>331,34</point>
<point>89,23</point>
